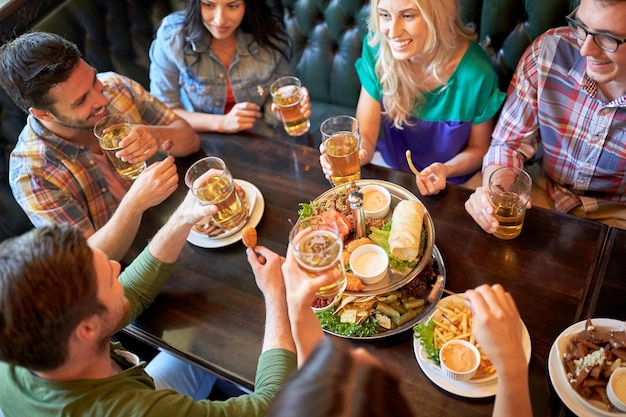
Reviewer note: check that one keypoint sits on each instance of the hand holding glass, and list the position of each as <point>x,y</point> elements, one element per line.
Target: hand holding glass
<point>317,246</point>
<point>341,137</point>
<point>110,131</point>
<point>509,192</point>
<point>287,97</point>
<point>212,183</point>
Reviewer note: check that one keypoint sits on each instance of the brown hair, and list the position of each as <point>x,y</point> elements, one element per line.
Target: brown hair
<point>331,383</point>
<point>48,285</point>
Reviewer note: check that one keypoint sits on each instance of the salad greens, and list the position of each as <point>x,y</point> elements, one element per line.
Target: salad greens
<point>425,333</point>
<point>332,323</point>
<point>307,210</point>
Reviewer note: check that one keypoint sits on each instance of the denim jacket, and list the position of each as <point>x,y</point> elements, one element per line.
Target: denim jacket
<point>196,79</point>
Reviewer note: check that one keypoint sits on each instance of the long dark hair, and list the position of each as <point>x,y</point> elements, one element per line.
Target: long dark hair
<point>331,383</point>
<point>260,20</point>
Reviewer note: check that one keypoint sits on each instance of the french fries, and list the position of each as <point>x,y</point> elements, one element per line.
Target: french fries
<point>453,320</point>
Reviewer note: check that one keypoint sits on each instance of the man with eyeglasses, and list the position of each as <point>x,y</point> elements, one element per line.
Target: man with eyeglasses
<point>566,110</point>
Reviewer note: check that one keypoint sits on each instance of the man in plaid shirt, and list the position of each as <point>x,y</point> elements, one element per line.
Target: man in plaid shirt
<point>58,173</point>
<point>566,107</point>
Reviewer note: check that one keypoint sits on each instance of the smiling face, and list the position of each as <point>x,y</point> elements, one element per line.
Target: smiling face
<point>222,17</point>
<point>403,26</point>
<point>78,102</point>
<point>606,68</point>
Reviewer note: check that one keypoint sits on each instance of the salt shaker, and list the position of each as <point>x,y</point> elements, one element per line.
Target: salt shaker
<point>355,199</point>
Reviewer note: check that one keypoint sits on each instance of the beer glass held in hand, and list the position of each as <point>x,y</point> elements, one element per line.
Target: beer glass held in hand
<point>509,192</point>
<point>110,131</point>
<point>212,183</point>
<point>287,97</point>
<point>318,247</point>
<point>341,137</point>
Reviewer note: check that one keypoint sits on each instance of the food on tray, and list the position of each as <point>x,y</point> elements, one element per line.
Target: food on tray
<point>410,243</point>
<point>451,321</point>
<point>406,230</point>
<point>249,237</point>
<point>593,356</point>
<point>367,316</point>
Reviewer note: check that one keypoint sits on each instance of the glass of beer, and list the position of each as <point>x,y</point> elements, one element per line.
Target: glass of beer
<point>509,192</point>
<point>341,137</point>
<point>318,246</point>
<point>212,183</point>
<point>287,97</point>
<point>110,131</point>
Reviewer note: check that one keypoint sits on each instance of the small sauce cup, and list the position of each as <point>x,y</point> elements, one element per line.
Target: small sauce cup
<point>616,389</point>
<point>369,263</point>
<point>459,360</point>
<point>376,201</point>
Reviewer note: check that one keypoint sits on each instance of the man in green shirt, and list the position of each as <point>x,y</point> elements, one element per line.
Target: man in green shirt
<point>61,301</point>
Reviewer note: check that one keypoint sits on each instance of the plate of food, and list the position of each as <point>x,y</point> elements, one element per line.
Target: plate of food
<point>202,234</point>
<point>414,233</point>
<point>368,317</point>
<point>581,361</point>
<point>452,320</point>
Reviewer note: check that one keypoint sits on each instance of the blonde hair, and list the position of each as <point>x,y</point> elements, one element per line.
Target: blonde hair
<point>401,89</point>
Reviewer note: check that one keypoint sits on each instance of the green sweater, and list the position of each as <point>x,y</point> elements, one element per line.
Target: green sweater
<point>131,393</point>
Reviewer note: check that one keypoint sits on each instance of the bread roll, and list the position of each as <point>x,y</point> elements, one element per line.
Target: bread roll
<point>406,230</point>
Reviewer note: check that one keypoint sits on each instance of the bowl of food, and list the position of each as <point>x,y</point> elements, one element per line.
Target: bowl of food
<point>585,351</point>
<point>320,304</point>
<point>459,360</point>
<point>616,389</point>
<point>376,201</point>
<point>369,263</point>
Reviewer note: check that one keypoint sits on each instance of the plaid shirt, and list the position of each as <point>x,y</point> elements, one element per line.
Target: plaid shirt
<point>57,181</point>
<point>556,112</point>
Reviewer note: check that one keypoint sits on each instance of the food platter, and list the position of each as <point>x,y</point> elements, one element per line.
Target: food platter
<point>425,313</point>
<point>256,206</point>
<point>475,388</point>
<point>556,369</point>
<point>395,279</point>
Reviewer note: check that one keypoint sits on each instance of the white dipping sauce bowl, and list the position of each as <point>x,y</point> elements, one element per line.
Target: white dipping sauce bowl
<point>459,360</point>
<point>616,389</point>
<point>376,201</point>
<point>369,263</point>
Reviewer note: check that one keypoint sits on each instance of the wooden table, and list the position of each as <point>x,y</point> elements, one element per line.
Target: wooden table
<point>212,312</point>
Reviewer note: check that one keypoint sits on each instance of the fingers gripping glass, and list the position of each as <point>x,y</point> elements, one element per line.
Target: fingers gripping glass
<point>605,41</point>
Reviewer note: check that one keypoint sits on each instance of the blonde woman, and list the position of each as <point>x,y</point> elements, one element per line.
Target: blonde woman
<point>431,86</point>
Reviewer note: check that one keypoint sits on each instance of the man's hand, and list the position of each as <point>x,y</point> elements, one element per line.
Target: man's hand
<point>157,182</point>
<point>480,208</point>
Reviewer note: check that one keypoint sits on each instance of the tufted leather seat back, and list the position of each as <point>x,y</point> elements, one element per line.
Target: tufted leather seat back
<point>326,40</point>
<point>506,27</point>
<point>113,35</point>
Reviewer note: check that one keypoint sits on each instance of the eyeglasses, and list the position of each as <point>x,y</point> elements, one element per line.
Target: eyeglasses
<point>606,42</point>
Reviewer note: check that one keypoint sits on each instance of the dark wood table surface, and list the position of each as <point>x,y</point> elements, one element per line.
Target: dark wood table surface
<point>212,312</point>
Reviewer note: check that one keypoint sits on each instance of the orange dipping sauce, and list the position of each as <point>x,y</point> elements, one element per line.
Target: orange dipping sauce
<point>458,358</point>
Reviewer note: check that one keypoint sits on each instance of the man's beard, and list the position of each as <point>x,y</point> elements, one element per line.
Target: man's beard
<point>113,322</point>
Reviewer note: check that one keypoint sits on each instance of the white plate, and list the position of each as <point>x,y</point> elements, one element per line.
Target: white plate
<point>486,387</point>
<point>577,404</point>
<point>256,206</point>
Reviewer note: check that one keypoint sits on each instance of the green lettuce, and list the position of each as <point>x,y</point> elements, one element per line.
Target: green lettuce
<point>425,333</point>
<point>332,323</point>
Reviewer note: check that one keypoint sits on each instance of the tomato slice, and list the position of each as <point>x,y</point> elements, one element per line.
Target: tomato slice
<point>344,225</point>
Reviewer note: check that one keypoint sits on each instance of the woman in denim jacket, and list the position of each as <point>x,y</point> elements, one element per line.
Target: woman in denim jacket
<point>214,61</point>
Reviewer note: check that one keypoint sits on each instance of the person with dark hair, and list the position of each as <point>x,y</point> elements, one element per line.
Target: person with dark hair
<point>564,120</point>
<point>213,63</point>
<point>58,172</point>
<point>337,380</point>
<point>61,301</point>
